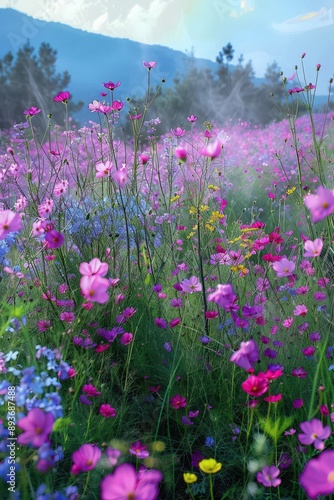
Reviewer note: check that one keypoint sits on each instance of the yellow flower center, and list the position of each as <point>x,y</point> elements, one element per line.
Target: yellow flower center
<point>330,476</point>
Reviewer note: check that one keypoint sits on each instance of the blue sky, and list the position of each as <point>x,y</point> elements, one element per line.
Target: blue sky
<point>261,30</point>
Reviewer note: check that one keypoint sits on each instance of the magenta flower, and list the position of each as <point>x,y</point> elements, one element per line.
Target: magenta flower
<point>299,372</point>
<point>37,426</point>
<point>178,402</point>
<point>125,483</point>
<point>9,223</point>
<point>117,105</point>
<point>247,355</point>
<point>317,477</point>
<point>31,111</point>
<point>284,267</point>
<point>111,85</point>
<point>113,455</point>
<point>297,403</point>
<point>181,153</point>
<point>212,150</point>
<point>62,97</point>
<point>107,411</point>
<point>160,323</point>
<point>120,177</point>
<point>313,248</point>
<point>149,64</point>
<point>90,390</point>
<point>85,458</point>
<point>94,268</point>
<point>126,338</point>
<point>94,288</point>
<point>314,433</point>
<point>192,118</point>
<point>321,204</point>
<point>225,297</point>
<point>256,385</point>
<point>54,239</point>
<point>178,132</point>
<point>191,285</point>
<point>269,476</point>
<point>139,450</point>
<point>301,310</point>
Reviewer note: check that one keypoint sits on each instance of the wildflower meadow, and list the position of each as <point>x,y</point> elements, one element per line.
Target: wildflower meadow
<point>166,326</point>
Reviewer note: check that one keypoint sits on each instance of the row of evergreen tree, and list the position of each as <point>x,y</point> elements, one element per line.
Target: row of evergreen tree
<point>230,93</point>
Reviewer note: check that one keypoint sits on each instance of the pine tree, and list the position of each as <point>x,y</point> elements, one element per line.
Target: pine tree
<point>32,80</point>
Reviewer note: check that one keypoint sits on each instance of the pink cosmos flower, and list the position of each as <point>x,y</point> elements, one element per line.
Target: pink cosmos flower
<point>94,288</point>
<point>178,402</point>
<point>273,398</point>
<point>126,338</point>
<point>37,426</point>
<point>313,248</point>
<point>54,239</point>
<point>301,310</point>
<point>192,118</point>
<point>212,150</point>
<point>9,223</point>
<point>68,317</point>
<point>321,204</point>
<point>314,433</point>
<point>120,177</point>
<point>256,385</point>
<point>191,285</point>
<point>31,111</point>
<point>90,390</point>
<point>149,64</point>
<point>113,455</point>
<point>297,403</point>
<point>317,477</point>
<point>85,458</point>
<point>62,97</point>
<point>103,169</point>
<point>94,268</point>
<point>125,483</point>
<point>247,355</point>
<point>117,105</point>
<point>178,132</point>
<point>181,153</point>
<point>111,85</point>
<point>107,411</point>
<point>269,476</point>
<point>284,267</point>
<point>139,450</point>
<point>225,297</point>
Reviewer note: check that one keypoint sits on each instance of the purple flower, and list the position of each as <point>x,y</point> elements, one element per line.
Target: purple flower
<point>314,433</point>
<point>317,477</point>
<point>269,476</point>
<point>139,450</point>
<point>247,355</point>
<point>191,285</point>
<point>161,323</point>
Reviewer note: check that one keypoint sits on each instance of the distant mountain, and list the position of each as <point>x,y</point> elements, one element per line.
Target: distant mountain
<point>92,59</point>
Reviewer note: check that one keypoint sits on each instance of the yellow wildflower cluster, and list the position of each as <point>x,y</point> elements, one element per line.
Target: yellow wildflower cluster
<point>193,210</point>
<point>240,268</point>
<point>213,187</point>
<point>203,208</point>
<point>175,198</point>
<point>291,191</point>
<point>190,235</point>
<point>210,227</point>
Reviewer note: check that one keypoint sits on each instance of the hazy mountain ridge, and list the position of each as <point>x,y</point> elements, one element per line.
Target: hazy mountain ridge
<point>92,58</point>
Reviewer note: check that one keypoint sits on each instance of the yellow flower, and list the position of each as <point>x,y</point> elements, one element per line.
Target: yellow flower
<point>209,227</point>
<point>213,187</point>
<point>158,446</point>
<point>189,478</point>
<point>190,235</point>
<point>175,198</point>
<point>210,466</point>
<point>193,210</point>
<point>204,208</point>
<point>290,191</point>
